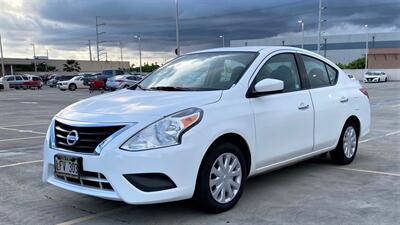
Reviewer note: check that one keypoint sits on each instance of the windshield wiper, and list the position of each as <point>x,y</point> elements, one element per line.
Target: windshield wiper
<point>170,88</point>
<point>134,87</point>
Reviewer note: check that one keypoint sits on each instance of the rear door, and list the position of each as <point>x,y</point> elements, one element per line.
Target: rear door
<point>330,101</point>
<point>283,121</point>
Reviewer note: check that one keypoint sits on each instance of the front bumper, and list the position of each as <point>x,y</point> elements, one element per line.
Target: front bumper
<point>180,163</point>
<point>371,79</point>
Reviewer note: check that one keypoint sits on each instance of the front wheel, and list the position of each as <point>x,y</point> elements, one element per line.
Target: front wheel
<point>221,178</point>
<point>346,149</point>
<point>72,87</point>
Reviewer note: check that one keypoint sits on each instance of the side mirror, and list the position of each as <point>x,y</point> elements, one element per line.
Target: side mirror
<point>269,85</point>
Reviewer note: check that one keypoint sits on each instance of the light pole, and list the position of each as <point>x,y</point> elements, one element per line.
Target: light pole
<point>90,51</point>
<point>34,56</point>
<point>178,48</point>
<point>97,36</point>
<point>120,46</point>
<point>301,22</point>
<point>223,40</point>
<point>320,20</point>
<point>140,51</point>
<point>366,47</point>
<point>2,59</point>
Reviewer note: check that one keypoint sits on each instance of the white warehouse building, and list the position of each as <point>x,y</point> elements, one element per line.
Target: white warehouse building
<point>337,48</point>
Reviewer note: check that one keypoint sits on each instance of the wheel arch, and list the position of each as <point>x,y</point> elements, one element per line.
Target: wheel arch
<point>237,140</point>
<point>356,121</point>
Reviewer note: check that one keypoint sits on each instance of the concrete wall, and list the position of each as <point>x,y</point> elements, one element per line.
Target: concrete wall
<point>393,74</point>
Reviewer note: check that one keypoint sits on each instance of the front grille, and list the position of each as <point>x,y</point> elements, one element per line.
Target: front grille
<point>89,137</point>
<point>89,179</point>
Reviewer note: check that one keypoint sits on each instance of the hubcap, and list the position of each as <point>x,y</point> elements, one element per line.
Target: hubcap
<point>225,178</point>
<point>349,142</point>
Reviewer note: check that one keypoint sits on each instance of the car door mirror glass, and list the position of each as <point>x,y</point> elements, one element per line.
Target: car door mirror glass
<point>268,85</point>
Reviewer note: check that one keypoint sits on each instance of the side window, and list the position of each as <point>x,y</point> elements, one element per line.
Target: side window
<point>316,72</point>
<point>18,78</point>
<point>282,67</point>
<point>10,78</point>
<point>332,73</point>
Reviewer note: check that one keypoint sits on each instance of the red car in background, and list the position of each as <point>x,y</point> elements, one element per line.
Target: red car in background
<point>33,82</point>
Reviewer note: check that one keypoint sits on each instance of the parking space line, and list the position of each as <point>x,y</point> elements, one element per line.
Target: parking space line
<point>17,139</point>
<point>92,216</point>
<point>22,131</point>
<point>369,171</point>
<point>381,136</point>
<point>20,163</point>
<point>21,148</point>
<point>21,125</point>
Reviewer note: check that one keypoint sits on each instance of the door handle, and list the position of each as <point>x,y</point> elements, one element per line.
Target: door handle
<point>344,99</point>
<point>303,106</point>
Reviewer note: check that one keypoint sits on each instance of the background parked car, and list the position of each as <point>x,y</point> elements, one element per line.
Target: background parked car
<point>34,82</point>
<point>375,76</point>
<point>57,78</point>
<point>88,77</point>
<point>16,81</point>
<point>72,84</point>
<point>105,74</point>
<point>122,81</point>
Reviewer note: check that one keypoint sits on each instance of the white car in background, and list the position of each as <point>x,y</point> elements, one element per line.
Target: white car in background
<point>203,123</point>
<point>122,81</point>
<point>72,84</point>
<point>375,76</point>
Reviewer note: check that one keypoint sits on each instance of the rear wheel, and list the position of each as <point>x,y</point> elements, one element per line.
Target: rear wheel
<point>221,178</point>
<point>72,87</point>
<point>346,149</point>
<point>386,79</point>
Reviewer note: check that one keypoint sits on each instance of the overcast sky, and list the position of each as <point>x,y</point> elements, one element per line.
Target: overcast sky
<point>65,26</point>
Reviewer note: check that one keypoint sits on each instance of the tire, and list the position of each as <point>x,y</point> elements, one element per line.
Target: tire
<point>72,87</point>
<point>203,193</point>
<point>386,79</point>
<point>342,155</point>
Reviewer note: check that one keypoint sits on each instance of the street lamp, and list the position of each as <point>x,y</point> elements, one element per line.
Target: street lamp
<point>138,37</point>
<point>34,56</point>
<point>178,48</point>
<point>223,40</point>
<point>301,22</point>
<point>366,47</point>
<point>2,59</point>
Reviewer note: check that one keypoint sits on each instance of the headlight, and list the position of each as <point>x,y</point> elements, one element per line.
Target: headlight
<point>165,132</point>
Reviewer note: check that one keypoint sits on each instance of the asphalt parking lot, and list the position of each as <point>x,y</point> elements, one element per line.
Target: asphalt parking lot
<point>311,192</point>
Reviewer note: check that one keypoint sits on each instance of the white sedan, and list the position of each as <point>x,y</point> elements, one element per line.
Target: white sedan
<point>204,123</point>
<point>375,76</point>
<point>72,84</point>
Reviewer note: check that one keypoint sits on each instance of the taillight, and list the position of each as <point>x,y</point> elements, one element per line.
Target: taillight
<point>364,91</point>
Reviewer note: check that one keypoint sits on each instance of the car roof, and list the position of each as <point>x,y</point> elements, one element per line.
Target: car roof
<point>248,49</point>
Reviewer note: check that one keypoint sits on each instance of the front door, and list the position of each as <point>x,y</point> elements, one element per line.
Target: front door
<point>284,121</point>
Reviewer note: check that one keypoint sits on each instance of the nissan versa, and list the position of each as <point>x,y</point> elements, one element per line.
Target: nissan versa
<point>202,124</point>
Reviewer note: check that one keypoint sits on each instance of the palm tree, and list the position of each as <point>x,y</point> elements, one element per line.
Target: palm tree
<point>71,66</point>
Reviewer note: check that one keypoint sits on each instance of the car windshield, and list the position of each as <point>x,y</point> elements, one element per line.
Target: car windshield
<point>200,71</point>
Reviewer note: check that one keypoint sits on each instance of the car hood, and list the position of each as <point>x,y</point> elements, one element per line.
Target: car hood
<point>135,105</point>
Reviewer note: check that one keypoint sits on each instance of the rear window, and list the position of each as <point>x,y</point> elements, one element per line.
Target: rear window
<point>333,74</point>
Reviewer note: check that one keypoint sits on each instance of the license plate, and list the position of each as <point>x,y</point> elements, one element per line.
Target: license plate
<point>68,166</point>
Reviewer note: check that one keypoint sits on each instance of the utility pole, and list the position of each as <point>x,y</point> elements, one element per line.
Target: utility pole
<point>140,51</point>
<point>2,59</point>
<point>366,47</point>
<point>90,51</point>
<point>178,48</point>
<point>34,56</point>
<point>223,40</point>
<point>325,39</point>
<point>120,46</point>
<point>47,53</point>
<point>97,36</point>
<point>106,57</point>
<point>301,22</point>
<point>320,21</point>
